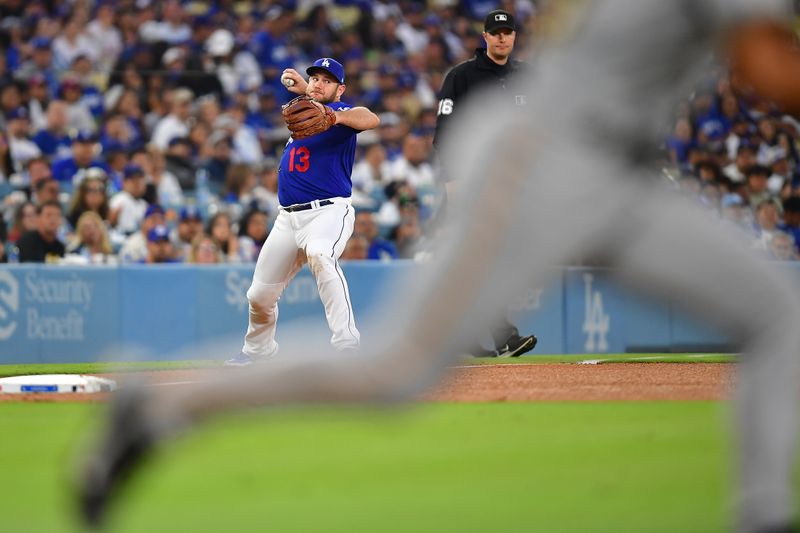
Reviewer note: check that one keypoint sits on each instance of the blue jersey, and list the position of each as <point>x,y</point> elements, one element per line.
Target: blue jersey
<point>65,169</point>
<point>53,145</point>
<point>319,166</point>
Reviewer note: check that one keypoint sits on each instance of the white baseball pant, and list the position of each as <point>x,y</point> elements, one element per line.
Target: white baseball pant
<point>317,236</point>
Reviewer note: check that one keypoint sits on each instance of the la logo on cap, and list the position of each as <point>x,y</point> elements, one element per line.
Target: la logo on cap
<point>500,17</point>
<point>326,63</point>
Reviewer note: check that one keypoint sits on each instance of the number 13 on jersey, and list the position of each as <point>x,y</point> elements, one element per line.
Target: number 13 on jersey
<point>299,159</point>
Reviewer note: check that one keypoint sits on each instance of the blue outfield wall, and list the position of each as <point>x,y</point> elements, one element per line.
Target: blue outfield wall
<point>51,314</point>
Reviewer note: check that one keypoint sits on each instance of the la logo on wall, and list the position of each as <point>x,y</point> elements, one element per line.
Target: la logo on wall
<point>596,322</point>
<point>9,304</point>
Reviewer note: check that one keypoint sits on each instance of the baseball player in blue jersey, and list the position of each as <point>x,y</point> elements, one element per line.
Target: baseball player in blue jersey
<point>315,219</point>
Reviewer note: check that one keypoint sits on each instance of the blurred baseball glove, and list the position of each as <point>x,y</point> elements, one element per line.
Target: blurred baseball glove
<point>305,118</point>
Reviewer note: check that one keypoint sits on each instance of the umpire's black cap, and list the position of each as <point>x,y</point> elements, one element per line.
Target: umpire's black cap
<point>498,19</point>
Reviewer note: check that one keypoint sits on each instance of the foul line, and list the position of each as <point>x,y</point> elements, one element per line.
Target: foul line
<point>583,362</point>
<point>670,358</point>
<point>171,383</point>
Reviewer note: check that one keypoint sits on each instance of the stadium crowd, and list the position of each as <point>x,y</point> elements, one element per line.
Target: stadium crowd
<point>134,131</point>
<point>738,155</point>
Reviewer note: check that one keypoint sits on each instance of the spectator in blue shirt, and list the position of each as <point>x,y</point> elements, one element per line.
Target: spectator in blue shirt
<point>118,133</point>
<point>272,47</point>
<point>91,95</point>
<point>53,140</point>
<point>217,165</point>
<point>791,219</point>
<point>159,247</point>
<point>10,100</point>
<point>377,248</point>
<point>83,156</point>
<point>262,118</point>
<point>41,63</point>
<point>680,142</point>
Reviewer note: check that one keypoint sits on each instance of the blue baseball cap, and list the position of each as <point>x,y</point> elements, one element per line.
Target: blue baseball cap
<point>433,20</point>
<point>113,147</point>
<point>331,66</point>
<point>40,43</point>
<point>179,140</point>
<point>18,112</point>
<point>85,136</point>
<point>204,20</point>
<point>153,209</point>
<point>387,69</point>
<point>159,233</point>
<point>190,212</point>
<point>132,170</point>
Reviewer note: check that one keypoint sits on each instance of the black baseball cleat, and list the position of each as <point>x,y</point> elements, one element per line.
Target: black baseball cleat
<point>516,346</point>
<point>128,439</point>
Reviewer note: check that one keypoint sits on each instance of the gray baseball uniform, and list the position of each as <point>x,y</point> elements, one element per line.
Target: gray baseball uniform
<point>554,181</point>
<point>599,103</point>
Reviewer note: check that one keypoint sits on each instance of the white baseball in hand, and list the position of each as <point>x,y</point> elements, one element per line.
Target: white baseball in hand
<point>287,81</point>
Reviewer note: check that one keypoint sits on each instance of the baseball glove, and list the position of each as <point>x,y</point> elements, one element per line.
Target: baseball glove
<point>305,118</point>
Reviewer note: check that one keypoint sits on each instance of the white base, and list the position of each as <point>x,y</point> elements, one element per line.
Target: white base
<point>55,383</point>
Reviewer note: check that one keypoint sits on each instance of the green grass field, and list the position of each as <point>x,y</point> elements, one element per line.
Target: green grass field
<point>625,466</point>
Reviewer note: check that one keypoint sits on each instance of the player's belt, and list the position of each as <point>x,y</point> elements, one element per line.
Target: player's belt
<point>305,207</point>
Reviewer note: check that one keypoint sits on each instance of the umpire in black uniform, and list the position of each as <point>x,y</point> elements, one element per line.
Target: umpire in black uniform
<point>490,67</point>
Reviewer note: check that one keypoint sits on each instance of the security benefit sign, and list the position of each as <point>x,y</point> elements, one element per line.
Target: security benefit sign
<point>222,307</point>
<point>48,314</point>
<point>9,304</point>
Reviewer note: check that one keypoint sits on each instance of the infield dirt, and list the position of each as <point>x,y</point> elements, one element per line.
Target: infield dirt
<point>521,383</point>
